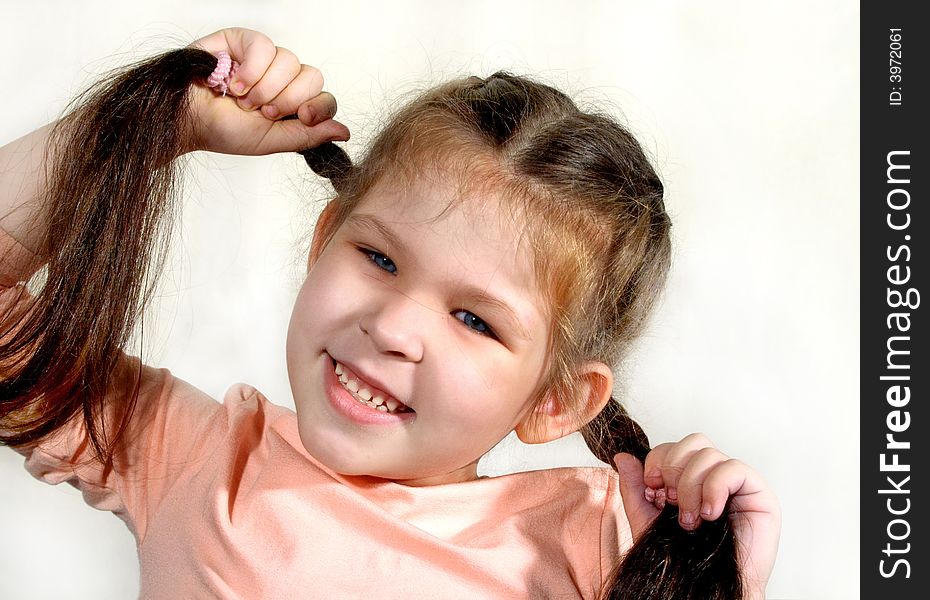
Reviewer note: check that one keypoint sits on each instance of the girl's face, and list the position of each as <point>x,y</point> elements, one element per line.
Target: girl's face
<point>438,310</point>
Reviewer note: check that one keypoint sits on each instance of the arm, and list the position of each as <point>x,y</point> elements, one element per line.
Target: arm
<point>21,184</point>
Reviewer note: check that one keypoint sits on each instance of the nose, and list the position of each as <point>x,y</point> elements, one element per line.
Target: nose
<point>395,326</point>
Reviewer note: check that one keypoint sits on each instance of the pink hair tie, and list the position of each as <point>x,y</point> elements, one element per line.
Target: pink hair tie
<point>225,70</point>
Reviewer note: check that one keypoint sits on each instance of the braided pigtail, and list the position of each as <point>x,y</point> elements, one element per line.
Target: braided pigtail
<point>666,562</point>
<point>111,183</point>
<point>330,161</point>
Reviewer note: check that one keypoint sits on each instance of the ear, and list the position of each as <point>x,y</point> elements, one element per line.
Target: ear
<point>323,231</point>
<point>551,421</point>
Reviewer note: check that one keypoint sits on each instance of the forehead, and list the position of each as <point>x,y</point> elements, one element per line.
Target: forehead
<point>429,195</point>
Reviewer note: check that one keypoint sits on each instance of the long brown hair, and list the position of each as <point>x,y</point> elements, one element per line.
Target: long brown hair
<point>109,207</point>
<point>108,202</point>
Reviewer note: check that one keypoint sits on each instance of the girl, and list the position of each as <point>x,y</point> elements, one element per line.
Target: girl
<point>493,252</point>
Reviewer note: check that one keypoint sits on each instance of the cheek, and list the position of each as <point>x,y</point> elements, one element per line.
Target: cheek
<point>493,395</point>
<point>325,296</point>
<point>301,333</point>
<point>312,322</point>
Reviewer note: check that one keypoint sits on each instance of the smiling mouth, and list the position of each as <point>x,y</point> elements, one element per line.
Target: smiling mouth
<point>367,394</point>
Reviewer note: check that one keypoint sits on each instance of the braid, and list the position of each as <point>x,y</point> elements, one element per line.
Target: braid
<point>613,431</point>
<point>666,562</point>
<point>330,161</point>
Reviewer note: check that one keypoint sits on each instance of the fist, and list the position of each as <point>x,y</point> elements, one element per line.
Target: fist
<point>270,88</point>
<point>698,478</point>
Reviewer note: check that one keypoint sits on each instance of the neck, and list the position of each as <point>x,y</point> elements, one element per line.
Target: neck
<point>467,473</point>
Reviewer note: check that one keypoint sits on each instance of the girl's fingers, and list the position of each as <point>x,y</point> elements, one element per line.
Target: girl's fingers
<point>305,86</point>
<point>282,71</point>
<point>254,51</point>
<point>677,458</point>
<point>732,477</point>
<point>318,109</point>
<point>692,483</point>
<point>639,511</point>
<point>212,43</point>
<point>665,462</point>
<point>292,135</point>
<point>703,482</point>
<point>652,474</point>
<point>268,77</point>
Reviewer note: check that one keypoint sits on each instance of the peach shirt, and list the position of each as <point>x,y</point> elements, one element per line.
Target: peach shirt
<point>225,502</point>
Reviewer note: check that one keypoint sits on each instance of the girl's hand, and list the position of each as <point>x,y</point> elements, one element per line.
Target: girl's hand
<point>271,83</point>
<point>699,479</point>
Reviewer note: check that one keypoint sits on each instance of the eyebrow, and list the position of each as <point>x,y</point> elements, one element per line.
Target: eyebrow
<point>375,225</point>
<point>480,296</point>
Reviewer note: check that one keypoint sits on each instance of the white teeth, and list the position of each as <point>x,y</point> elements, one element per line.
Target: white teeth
<point>364,395</point>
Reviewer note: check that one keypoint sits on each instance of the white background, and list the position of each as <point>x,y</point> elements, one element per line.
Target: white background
<point>751,111</point>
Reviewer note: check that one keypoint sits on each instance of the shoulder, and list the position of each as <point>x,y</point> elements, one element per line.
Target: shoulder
<point>571,484</point>
<point>592,525</point>
<point>189,407</point>
<point>247,418</point>
<point>574,500</point>
<point>243,402</point>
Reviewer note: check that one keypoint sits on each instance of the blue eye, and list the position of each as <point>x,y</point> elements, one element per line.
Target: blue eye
<point>379,259</point>
<point>471,320</point>
<point>474,322</point>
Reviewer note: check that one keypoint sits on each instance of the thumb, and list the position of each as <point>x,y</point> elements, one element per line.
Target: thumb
<point>292,135</point>
<point>639,511</point>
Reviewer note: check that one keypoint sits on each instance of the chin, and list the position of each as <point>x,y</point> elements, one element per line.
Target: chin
<point>335,454</point>
<point>339,458</point>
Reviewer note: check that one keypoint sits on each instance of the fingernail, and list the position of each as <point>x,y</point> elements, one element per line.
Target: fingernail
<point>316,118</point>
<point>245,104</point>
<point>654,473</point>
<point>660,498</point>
<point>237,87</point>
<point>687,519</point>
<point>271,112</point>
<point>650,494</point>
<point>706,509</point>
<point>672,494</point>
